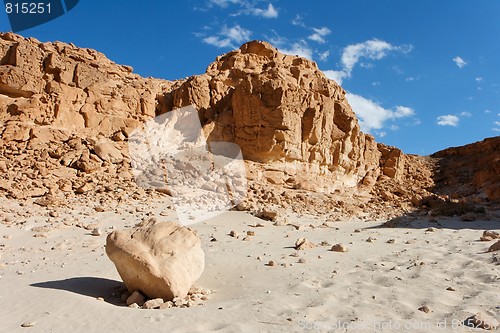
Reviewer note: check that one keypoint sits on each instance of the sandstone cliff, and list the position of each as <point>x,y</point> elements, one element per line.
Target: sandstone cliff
<point>59,104</point>
<point>66,114</point>
<point>471,170</point>
<point>283,111</point>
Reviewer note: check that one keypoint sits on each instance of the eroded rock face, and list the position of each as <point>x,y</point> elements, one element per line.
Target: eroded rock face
<point>60,108</point>
<point>160,260</point>
<point>472,169</point>
<point>281,110</point>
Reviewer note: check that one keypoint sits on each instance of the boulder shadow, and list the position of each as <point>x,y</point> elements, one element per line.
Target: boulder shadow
<point>109,290</point>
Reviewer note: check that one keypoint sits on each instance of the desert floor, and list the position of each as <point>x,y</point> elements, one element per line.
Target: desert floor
<point>62,281</point>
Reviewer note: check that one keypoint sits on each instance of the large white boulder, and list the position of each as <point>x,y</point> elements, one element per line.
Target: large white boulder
<point>160,260</point>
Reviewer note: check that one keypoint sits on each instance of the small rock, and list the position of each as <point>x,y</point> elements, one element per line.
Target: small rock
<point>431,229</point>
<point>136,297</point>
<point>153,303</point>
<point>233,233</point>
<point>96,232</point>
<point>28,324</point>
<point>250,233</point>
<point>370,239</point>
<point>166,305</point>
<point>489,235</point>
<point>134,306</point>
<point>391,241</point>
<point>357,230</point>
<point>8,219</point>
<point>268,214</point>
<point>451,289</point>
<point>271,263</point>
<point>303,243</point>
<point>302,261</point>
<point>339,248</point>
<point>495,247</point>
<point>91,226</point>
<point>482,320</point>
<point>425,309</point>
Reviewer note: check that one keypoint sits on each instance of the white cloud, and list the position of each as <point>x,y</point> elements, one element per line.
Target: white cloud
<point>299,48</point>
<point>373,49</point>
<point>459,62</point>
<point>324,55</point>
<point>229,37</point>
<point>270,12</point>
<point>247,8</point>
<point>448,120</point>
<point>224,3</point>
<point>496,129</point>
<point>319,34</point>
<point>337,76</point>
<point>403,111</point>
<point>465,114</point>
<point>298,20</point>
<point>372,116</point>
<point>479,79</point>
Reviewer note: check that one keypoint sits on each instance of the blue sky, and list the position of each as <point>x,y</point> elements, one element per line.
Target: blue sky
<point>421,75</point>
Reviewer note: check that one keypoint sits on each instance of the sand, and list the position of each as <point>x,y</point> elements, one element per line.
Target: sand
<point>64,282</point>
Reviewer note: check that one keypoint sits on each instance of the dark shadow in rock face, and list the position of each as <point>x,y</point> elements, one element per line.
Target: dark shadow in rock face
<point>109,290</point>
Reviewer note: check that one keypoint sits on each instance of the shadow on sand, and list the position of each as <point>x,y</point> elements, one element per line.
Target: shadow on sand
<point>109,290</point>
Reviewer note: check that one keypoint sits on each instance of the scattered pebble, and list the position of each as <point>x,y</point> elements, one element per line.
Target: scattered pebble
<point>494,247</point>
<point>303,243</point>
<point>371,239</point>
<point>271,263</point>
<point>96,232</point>
<point>153,303</point>
<point>482,320</point>
<point>28,324</point>
<point>425,309</point>
<point>137,298</point>
<point>489,235</point>
<point>339,248</point>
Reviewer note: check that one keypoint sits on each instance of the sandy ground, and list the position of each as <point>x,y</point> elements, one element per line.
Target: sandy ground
<point>66,283</point>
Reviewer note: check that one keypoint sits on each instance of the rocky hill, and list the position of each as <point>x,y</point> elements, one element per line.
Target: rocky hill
<point>66,114</point>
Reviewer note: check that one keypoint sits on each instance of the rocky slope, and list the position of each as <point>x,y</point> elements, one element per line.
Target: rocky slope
<point>66,114</point>
<point>470,171</point>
